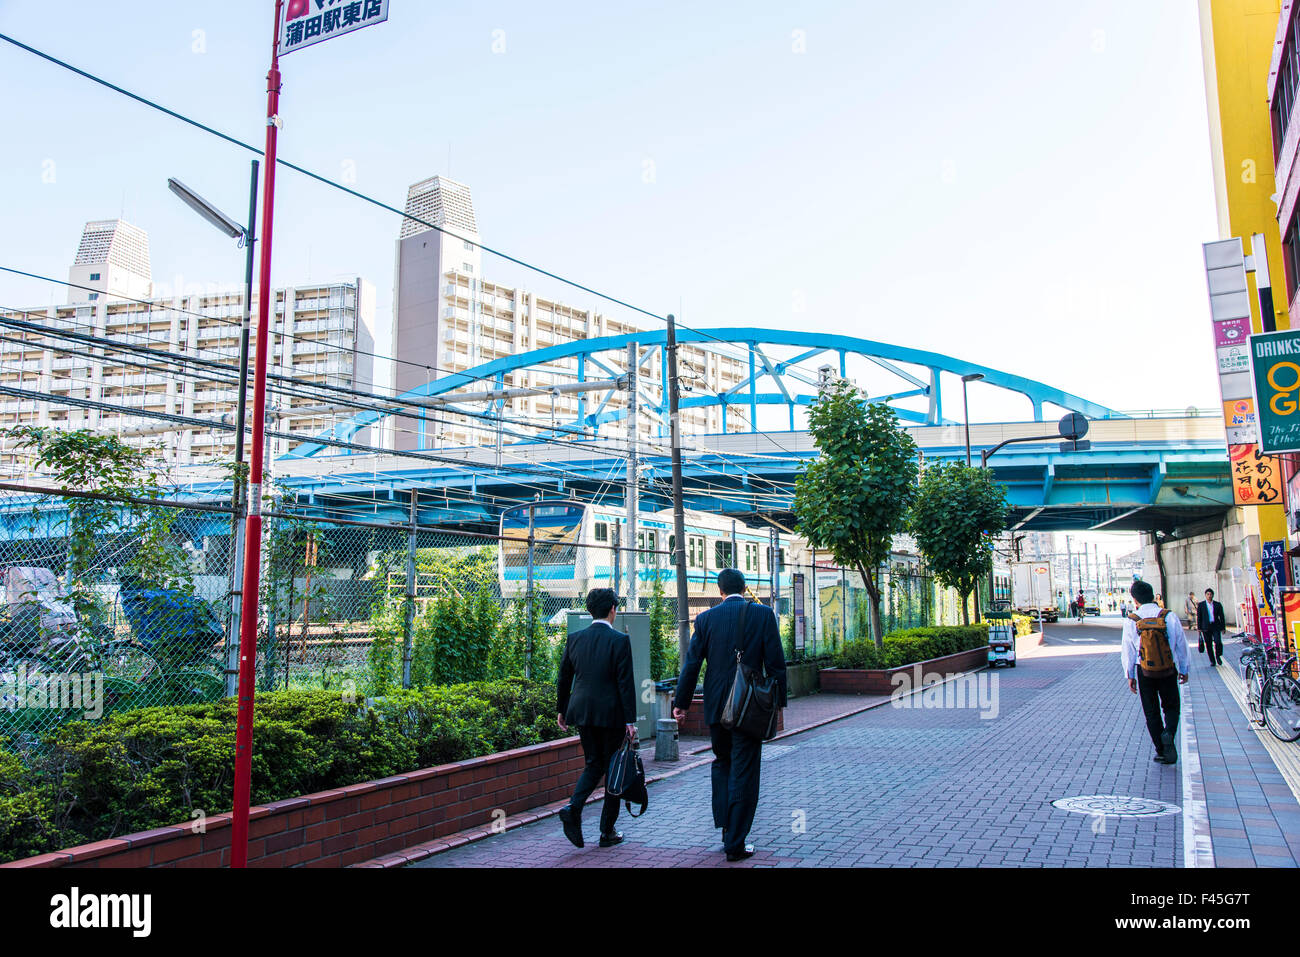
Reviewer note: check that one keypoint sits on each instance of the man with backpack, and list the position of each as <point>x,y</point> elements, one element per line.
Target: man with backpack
<point>1155,659</point>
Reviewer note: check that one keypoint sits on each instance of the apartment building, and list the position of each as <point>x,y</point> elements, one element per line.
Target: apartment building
<point>320,333</point>
<point>449,317</point>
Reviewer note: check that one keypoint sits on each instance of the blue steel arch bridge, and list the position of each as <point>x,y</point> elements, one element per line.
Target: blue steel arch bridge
<point>1150,472</point>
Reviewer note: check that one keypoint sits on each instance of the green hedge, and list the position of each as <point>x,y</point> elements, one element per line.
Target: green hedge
<point>912,645</point>
<point>154,767</point>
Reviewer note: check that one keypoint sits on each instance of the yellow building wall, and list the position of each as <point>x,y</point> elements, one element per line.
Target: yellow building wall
<point>1237,39</point>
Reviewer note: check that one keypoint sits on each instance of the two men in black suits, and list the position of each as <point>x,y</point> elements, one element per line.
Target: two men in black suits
<point>1210,623</point>
<point>597,693</point>
<point>719,633</point>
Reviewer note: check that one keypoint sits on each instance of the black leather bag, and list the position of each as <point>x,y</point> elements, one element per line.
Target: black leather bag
<point>751,703</point>
<point>625,777</point>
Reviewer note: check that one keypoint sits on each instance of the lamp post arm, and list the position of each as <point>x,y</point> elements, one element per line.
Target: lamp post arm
<point>986,454</point>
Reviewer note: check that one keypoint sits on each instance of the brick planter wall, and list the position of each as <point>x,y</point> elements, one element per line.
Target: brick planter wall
<point>694,725</point>
<point>354,823</point>
<point>880,680</point>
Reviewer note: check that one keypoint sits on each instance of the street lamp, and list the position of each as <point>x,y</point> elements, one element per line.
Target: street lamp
<point>965,409</point>
<point>245,236</point>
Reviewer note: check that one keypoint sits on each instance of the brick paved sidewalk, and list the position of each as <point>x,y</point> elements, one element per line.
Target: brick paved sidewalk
<point>1254,817</point>
<point>918,787</point>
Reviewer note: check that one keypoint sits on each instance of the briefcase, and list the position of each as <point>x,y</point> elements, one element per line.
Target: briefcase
<point>625,776</point>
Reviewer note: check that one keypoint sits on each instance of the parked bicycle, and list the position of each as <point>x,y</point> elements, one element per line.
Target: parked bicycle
<point>1272,692</point>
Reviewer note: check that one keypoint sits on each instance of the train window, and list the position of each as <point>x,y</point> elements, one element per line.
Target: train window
<point>751,557</point>
<point>695,551</point>
<point>722,555</point>
<point>602,531</point>
<point>648,542</point>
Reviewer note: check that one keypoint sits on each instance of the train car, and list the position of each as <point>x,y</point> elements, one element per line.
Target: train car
<point>574,545</point>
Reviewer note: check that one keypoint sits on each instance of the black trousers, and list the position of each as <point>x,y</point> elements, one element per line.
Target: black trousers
<point>736,760</point>
<point>1159,695</point>
<point>1213,645</point>
<point>598,746</point>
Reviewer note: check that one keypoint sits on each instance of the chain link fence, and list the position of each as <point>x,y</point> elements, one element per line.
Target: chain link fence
<point>113,603</point>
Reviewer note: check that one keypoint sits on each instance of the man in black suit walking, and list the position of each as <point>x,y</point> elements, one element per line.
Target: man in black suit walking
<point>736,755</point>
<point>597,693</point>
<point>1210,623</point>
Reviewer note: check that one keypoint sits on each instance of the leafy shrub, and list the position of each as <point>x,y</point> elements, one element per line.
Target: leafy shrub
<point>912,645</point>
<point>153,767</point>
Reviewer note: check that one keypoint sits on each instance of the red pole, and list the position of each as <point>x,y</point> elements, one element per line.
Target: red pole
<point>253,521</point>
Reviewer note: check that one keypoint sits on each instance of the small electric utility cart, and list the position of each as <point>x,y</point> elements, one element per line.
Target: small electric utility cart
<point>1002,635</point>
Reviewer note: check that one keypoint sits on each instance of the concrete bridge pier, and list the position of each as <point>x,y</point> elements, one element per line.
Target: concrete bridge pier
<point>1223,559</point>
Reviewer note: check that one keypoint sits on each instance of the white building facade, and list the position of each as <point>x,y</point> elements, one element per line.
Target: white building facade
<point>320,333</point>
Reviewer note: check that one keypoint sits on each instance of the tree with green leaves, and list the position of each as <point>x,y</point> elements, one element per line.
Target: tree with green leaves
<point>957,513</point>
<point>854,497</point>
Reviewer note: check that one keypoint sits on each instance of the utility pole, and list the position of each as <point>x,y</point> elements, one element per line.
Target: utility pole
<point>679,515</point>
<point>408,613</point>
<point>616,542</point>
<point>532,541</point>
<point>633,356</point>
<point>1069,569</point>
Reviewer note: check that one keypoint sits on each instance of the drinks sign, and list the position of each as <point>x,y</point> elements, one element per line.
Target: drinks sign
<point>1275,369</point>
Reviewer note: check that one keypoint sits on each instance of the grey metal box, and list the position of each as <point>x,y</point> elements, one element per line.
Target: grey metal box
<point>636,625</point>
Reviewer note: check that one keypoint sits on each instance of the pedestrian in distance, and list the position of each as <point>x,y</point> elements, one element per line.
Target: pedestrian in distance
<point>1210,623</point>
<point>1189,606</point>
<point>597,694</point>
<point>720,633</point>
<point>1153,652</point>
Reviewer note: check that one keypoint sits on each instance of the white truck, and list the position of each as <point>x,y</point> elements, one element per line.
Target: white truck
<point>1032,590</point>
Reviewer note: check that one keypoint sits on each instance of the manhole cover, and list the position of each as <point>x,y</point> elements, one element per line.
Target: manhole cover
<point>1115,805</point>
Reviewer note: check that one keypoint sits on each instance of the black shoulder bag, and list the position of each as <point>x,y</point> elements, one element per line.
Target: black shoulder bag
<point>751,704</point>
<point>626,777</point>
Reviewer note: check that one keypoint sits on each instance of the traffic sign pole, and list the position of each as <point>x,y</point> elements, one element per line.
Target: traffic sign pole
<point>253,521</point>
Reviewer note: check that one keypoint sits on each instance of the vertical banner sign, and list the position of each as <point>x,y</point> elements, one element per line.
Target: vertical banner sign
<point>308,22</point>
<point>1290,616</point>
<point>1256,478</point>
<point>1275,371</point>
<point>1272,574</point>
<point>800,622</point>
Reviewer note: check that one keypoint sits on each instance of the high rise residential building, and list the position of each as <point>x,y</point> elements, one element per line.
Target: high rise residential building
<point>449,317</point>
<point>320,333</point>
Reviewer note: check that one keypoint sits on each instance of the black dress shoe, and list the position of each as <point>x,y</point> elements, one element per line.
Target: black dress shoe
<point>740,855</point>
<point>572,827</point>
<point>609,840</point>
<point>1158,757</point>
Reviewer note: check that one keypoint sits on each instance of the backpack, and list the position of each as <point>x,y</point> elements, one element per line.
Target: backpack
<point>1154,653</point>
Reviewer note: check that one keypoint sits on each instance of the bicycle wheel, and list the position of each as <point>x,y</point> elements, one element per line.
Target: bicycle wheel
<point>1255,694</point>
<point>1281,703</point>
<point>120,659</point>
